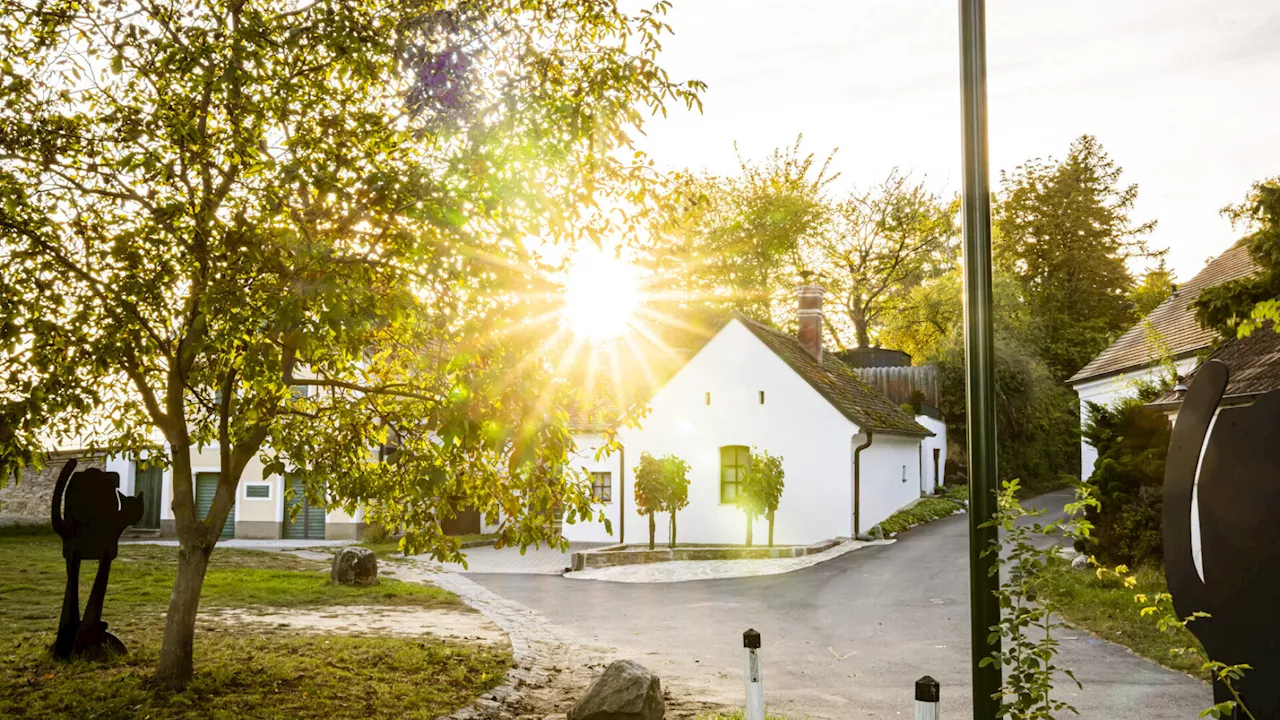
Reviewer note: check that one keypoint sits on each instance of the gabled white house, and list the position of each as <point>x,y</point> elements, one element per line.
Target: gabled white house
<point>851,457</point>
<point>1116,372</point>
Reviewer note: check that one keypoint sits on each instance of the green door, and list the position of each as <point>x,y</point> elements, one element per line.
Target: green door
<point>309,522</point>
<point>206,485</point>
<point>146,482</point>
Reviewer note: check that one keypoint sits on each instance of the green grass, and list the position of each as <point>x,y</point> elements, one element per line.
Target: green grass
<point>241,671</point>
<point>1107,609</point>
<point>389,549</point>
<point>927,510</point>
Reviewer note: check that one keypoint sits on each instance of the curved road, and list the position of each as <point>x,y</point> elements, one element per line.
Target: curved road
<point>846,638</point>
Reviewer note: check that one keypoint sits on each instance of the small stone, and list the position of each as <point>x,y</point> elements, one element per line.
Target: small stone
<point>626,690</point>
<point>1080,562</point>
<point>354,566</point>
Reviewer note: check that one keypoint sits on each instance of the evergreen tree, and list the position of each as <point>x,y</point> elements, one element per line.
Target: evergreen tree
<point>1063,229</point>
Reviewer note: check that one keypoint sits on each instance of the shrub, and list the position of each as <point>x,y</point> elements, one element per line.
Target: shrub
<point>761,489</point>
<point>1127,482</point>
<point>926,510</point>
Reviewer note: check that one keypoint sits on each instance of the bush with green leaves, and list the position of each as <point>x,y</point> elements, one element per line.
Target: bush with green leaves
<point>650,490</point>
<point>675,478</point>
<point>1028,648</point>
<point>1128,482</point>
<point>761,489</point>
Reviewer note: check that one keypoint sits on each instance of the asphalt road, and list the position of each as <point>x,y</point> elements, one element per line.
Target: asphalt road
<point>846,638</point>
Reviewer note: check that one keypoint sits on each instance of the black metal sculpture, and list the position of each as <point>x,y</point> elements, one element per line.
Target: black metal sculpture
<point>95,516</point>
<point>1238,498</point>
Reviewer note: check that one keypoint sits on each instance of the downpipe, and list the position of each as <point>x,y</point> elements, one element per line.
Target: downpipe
<point>857,486</point>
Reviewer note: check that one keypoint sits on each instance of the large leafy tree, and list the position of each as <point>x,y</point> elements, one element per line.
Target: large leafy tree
<point>725,243</point>
<point>1063,229</point>
<point>207,207</point>
<point>880,245</point>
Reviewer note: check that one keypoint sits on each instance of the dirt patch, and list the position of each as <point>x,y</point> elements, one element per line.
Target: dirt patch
<point>447,623</point>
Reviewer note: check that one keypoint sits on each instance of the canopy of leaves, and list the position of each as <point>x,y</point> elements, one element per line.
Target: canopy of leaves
<point>762,484</point>
<point>1156,286</point>
<point>1063,229</point>
<point>650,486</point>
<point>1239,306</point>
<point>675,476</point>
<point>207,207</point>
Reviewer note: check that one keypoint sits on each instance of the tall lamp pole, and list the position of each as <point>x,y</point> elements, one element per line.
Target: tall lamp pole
<point>979,357</point>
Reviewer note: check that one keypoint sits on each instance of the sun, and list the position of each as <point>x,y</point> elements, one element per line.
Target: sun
<point>602,294</point>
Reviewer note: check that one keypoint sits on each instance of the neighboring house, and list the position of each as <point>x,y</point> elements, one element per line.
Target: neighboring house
<point>891,372</point>
<point>259,512</point>
<point>751,386</point>
<point>1254,365</point>
<point>1132,359</point>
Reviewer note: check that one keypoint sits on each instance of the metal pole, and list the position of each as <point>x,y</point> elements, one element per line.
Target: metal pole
<point>928,697</point>
<point>755,677</point>
<point>979,357</point>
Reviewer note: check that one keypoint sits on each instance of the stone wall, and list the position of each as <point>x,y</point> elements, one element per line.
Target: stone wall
<point>28,502</point>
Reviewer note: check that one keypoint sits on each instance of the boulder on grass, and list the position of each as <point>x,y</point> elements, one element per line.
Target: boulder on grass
<point>354,566</point>
<point>626,691</point>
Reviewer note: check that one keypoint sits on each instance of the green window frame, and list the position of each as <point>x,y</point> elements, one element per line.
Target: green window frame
<point>734,461</point>
<point>602,487</point>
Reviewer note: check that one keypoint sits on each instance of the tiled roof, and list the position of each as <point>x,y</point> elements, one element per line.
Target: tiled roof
<point>1254,363</point>
<point>1172,319</point>
<point>861,403</point>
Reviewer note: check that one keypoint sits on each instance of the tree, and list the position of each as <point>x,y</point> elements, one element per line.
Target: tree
<point>1237,307</point>
<point>1156,286</point>
<point>880,245</point>
<point>726,243</point>
<point>207,207</point>
<point>761,489</point>
<point>1063,229</point>
<point>650,490</point>
<point>675,476</point>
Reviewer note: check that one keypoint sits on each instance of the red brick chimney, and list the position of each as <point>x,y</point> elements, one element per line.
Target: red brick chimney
<point>810,311</point>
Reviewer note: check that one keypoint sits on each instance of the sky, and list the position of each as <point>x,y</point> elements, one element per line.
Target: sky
<point>1181,93</point>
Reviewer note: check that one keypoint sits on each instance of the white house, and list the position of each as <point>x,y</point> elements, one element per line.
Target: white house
<point>1134,358</point>
<point>851,457</point>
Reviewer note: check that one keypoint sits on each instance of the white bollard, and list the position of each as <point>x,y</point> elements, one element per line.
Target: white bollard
<point>928,695</point>
<point>755,677</point>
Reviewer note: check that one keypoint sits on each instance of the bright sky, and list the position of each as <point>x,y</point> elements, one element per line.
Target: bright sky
<point>1181,93</point>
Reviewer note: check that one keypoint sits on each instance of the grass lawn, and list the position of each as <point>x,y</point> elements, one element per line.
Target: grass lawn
<point>1106,609</point>
<point>241,671</point>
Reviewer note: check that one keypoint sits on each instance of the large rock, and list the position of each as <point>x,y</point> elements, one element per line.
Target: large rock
<point>354,566</point>
<point>626,691</point>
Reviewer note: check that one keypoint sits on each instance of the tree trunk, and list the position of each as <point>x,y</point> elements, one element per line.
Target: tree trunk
<point>770,528</point>
<point>673,528</point>
<point>175,667</point>
<point>861,330</point>
<point>652,529</point>
<point>750,521</point>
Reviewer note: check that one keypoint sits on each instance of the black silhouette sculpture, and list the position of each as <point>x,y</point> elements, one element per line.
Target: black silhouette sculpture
<point>96,514</point>
<point>1239,508</point>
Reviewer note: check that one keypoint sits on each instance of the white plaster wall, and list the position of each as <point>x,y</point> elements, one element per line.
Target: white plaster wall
<point>584,460</point>
<point>795,422</point>
<point>890,477</point>
<point>1107,391</point>
<point>928,482</point>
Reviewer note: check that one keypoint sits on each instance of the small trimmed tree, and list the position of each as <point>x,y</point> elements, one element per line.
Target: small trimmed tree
<point>761,489</point>
<point>650,489</point>
<point>675,476</point>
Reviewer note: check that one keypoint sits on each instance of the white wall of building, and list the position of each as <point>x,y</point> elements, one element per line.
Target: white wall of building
<point>814,439</point>
<point>1106,391</point>
<point>932,474</point>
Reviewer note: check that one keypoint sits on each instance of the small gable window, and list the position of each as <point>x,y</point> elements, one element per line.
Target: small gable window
<point>761,397</point>
<point>708,398</point>
<point>601,487</point>
<point>734,461</point>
